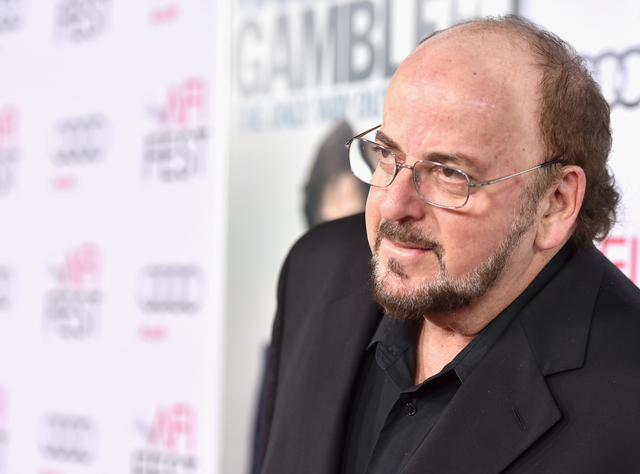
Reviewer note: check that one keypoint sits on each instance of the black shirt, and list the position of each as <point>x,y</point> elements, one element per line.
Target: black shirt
<point>390,417</point>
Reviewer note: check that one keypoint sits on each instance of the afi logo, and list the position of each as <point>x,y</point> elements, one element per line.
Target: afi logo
<point>8,127</point>
<point>72,308</point>
<point>177,150</point>
<point>9,153</point>
<point>81,268</point>
<point>82,20</point>
<point>622,250</point>
<point>185,104</point>
<point>171,443</point>
<point>173,429</point>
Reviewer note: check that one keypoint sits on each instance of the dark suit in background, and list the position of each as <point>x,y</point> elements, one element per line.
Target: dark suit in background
<point>559,391</point>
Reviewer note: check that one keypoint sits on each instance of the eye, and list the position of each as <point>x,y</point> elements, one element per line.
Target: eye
<point>449,175</point>
<point>380,157</point>
<point>448,172</point>
<point>380,152</point>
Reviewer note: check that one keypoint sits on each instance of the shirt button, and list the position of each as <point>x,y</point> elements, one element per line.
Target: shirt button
<point>410,409</point>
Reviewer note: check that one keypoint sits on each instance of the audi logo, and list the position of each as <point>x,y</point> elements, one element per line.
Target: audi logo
<point>80,20</point>
<point>619,76</point>
<point>171,289</point>
<point>10,15</point>
<point>79,140</point>
<point>68,438</point>
<point>5,288</point>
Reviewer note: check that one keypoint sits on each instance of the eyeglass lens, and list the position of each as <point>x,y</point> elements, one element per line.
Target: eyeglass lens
<point>436,184</point>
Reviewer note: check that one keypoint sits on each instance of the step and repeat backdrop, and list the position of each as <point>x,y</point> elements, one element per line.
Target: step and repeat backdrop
<point>609,40</point>
<point>157,160</point>
<point>307,75</point>
<point>112,231</point>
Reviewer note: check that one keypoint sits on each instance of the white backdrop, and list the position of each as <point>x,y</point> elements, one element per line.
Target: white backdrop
<point>113,168</point>
<point>117,121</point>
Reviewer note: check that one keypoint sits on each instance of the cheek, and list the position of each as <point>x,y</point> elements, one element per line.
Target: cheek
<point>471,237</point>
<point>372,215</point>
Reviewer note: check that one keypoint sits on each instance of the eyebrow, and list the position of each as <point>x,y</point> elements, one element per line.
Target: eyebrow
<point>386,140</point>
<point>455,159</point>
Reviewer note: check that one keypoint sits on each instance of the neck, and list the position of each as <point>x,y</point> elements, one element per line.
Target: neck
<point>443,335</point>
<point>436,346</point>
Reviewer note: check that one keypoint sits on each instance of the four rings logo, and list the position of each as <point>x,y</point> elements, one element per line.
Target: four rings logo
<point>78,140</point>
<point>81,20</point>
<point>10,15</point>
<point>171,289</point>
<point>619,76</point>
<point>68,438</point>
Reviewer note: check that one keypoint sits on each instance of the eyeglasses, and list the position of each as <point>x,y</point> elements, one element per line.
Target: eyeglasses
<point>437,184</point>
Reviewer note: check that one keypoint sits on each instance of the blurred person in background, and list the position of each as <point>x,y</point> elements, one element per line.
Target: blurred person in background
<point>332,191</point>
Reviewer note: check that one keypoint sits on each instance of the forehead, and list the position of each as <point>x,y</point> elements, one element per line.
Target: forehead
<point>466,92</point>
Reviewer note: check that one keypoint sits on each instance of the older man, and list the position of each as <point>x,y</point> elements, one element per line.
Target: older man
<point>493,336</point>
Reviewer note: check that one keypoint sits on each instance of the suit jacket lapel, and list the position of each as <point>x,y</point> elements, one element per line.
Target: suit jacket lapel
<point>505,405</point>
<point>500,410</point>
<point>347,334</point>
<point>319,384</point>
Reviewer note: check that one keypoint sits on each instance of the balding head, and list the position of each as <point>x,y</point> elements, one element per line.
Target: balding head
<point>482,78</point>
<point>573,114</point>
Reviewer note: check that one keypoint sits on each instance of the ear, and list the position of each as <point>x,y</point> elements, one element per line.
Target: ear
<point>560,208</point>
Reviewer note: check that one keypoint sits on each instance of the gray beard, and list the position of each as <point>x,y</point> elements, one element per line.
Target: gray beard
<point>444,294</point>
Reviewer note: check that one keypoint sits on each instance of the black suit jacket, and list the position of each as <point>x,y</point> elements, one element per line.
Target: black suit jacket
<point>559,392</point>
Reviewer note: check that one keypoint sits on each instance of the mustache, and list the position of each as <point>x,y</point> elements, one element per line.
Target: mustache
<point>406,234</point>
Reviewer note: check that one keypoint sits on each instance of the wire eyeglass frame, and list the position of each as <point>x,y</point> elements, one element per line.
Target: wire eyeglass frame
<point>398,166</point>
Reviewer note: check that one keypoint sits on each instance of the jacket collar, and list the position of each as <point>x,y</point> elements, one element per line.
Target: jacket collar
<point>506,405</point>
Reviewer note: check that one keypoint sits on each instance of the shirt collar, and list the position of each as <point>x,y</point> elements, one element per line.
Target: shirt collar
<point>394,339</point>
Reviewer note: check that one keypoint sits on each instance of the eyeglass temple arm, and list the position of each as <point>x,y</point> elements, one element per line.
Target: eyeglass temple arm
<point>348,144</point>
<point>543,165</point>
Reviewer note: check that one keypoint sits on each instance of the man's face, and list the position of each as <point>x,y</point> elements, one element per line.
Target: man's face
<point>468,102</point>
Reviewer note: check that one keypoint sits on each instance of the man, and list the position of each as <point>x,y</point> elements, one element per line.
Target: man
<point>506,342</point>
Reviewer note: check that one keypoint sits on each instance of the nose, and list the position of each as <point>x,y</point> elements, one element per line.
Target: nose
<point>400,200</point>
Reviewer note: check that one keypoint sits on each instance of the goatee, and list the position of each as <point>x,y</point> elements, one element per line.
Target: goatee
<point>444,293</point>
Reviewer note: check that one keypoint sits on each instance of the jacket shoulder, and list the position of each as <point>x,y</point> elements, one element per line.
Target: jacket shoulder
<point>339,238</point>
<point>332,252</point>
<point>615,329</point>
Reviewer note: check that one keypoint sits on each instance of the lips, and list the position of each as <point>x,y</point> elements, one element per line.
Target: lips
<point>403,249</point>
<point>408,245</point>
